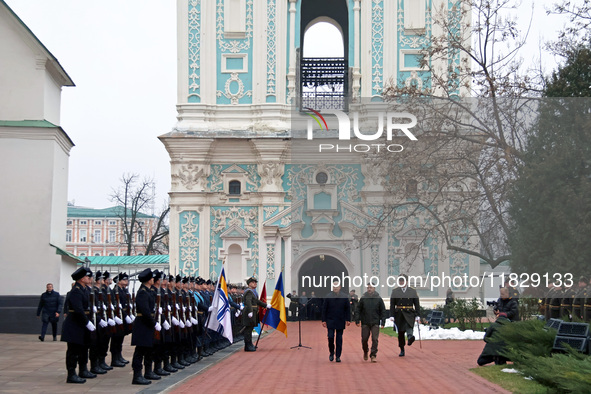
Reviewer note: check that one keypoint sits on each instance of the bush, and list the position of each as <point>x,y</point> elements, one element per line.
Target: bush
<point>466,313</point>
<point>529,307</point>
<point>526,338</point>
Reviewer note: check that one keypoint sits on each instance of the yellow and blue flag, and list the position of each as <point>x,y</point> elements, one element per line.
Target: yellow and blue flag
<point>219,318</point>
<point>276,317</point>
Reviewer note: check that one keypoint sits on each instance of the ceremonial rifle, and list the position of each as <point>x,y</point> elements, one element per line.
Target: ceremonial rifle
<point>91,314</point>
<point>118,311</point>
<point>157,335</point>
<point>113,329</point>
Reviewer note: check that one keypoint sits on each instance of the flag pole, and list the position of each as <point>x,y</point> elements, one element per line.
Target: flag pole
<point>261,333</point>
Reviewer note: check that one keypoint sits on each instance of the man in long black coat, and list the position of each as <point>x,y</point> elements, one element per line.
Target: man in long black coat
<point>336,315</point>
<point>143,330</point>
<point>404,308</point>
<point>77,327</point>
<point>49,307</point>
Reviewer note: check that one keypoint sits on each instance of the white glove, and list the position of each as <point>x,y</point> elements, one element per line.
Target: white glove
<point>418,319</point>
<point>128,320</point>
<point>175,321</point>
<point>165,325</point>
<point>111,322</point>
<point>102,323</point>
<point>94,309</point>
<point>158,327</point>
<point>189,324</point>
<point>181,324</point>
<point>132,318</point>
<point>160,310</point>
<point>241,306</point>
<point>118,320</point>
<point>169,308</point>
<point>391,319</point>
<point>250,314</point>
<point>177,307</point>
<point>194,321</point>
<point>120,307</point>
<point>112,307</point>
<point>268,306</point>
<point>184,308</point>
<point>90,326</point>
<point>237,313</point>
<point>210,309</point>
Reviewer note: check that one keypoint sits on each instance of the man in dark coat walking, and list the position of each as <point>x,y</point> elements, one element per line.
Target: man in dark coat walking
<point>371,312</point>
<point>336,314</point>
<point>50,304</point>
<point>143,330</point>
<point>77,328</point>
<point>404,308</point>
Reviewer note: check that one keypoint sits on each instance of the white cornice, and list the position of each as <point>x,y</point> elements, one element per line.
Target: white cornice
<point>38,133</point>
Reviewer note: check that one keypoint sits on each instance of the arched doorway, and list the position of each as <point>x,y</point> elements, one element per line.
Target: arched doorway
<point>314,275</point>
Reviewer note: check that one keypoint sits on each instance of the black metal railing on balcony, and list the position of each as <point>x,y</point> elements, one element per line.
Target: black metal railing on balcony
<point>324,83</point>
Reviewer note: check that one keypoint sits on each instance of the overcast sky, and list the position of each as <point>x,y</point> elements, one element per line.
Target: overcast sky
<point>121,54</point>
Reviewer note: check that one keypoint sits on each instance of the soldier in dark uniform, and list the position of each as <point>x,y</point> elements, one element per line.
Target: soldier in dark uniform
<point>77,327</point>
<point>513,292</point>
<point>167,339</point>
<point>336,314</point>
<point>158,350</point>
<point>176,323</point>
<point>49,308</point>
<point>143,330</point>
<point>118,337</point>
<point>404,308</point>
<point>106,335</point>
<point>556,296</point>
<point>250,314</point>
<point>579,298</point>
<point>97,340</point>
<point>566,305</point>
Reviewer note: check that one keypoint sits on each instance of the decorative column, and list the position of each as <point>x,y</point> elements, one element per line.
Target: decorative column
<point>291,76</point>
<point>356,88</point>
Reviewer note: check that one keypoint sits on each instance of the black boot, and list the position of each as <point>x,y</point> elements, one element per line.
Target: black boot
<point>84,373</point>
<point>104,365</point>
<point>115,362</point>
<point>139,379</point>
<point>73,378</point>
<point>169,368</point>
<point>401,352</point>
<point>411,340</point>
<point>95,369</point>
<point>158,369</point>
<point>149,374</point>
<point>120,358</point>
<point>182,360</point>
<point>175,364</point>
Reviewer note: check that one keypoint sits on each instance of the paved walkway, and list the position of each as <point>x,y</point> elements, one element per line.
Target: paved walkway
<point>440,366</point>
<point>27,365</point>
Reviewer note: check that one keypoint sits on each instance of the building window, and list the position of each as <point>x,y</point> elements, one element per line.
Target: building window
<point>97,236</point>
<point>140,236</point>
<point>112,222</point>
<point>68,235</point>
<point>97,222</point>
<point>82,254</point>
<point>97,254</point>
<point>234,187</point>
<point>83,222</point>
<point>322,178</point>
<point>68,223</point>
<point>111,254</point>
<point>411,187</point>
<point>111,235</point>
<point>82,235</point>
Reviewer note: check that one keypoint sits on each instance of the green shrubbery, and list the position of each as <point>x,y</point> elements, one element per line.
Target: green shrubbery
<point>529,346</point>
<point>467,313</point>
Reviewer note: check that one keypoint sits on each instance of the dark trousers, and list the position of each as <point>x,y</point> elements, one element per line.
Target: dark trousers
<point>76,355</point>
<point>45,323</point>
<point>374,330</point>
<point>117,344</point>
<point>141,353</point>
<point>498,360</point>
<point>339,341</point>
<point>401,338</point>
<point>248,334</point>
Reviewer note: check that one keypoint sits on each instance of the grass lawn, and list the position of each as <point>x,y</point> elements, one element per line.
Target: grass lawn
<point>513,382</point>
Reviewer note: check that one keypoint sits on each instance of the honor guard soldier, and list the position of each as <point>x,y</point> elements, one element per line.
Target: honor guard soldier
<point>102,333</point>
<point>159,343</point>
<point>404,308</point>
<point>579,299</point>
<point>77,328</point>
<point>176,323</point>
<point>143,330</point>
<point>120,292</point>
<point>251,312</point>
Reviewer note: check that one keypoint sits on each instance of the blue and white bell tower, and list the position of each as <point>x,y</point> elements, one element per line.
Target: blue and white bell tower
<point>237,197</point>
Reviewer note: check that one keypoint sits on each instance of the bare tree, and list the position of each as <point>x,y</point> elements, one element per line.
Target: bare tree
<point>452,185</point>
<point>158,243</point>
<point>133,198</point>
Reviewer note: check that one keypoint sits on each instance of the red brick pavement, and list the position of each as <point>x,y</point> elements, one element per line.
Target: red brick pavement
<point>440,366</point>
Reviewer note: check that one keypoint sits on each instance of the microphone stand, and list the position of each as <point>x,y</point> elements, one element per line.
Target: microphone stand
<point>300,327</point>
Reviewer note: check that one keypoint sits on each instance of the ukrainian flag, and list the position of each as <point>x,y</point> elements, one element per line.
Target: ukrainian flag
<point>276,317</point>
